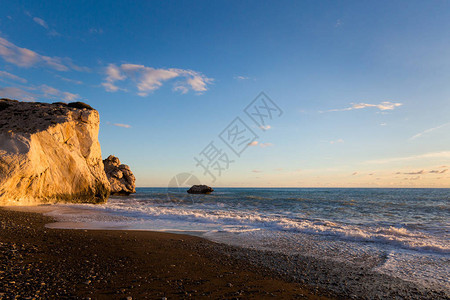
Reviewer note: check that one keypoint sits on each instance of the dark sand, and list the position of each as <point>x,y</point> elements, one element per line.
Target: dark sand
<point>37,262</point>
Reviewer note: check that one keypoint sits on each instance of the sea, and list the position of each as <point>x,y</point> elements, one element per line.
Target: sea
<point>408,228</point>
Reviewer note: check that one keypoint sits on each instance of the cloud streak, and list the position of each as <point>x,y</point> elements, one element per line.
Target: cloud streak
<point>40,22</point>
<point>420,134</point>
<point>7,75</point>
<point>441,154</point>
<point>26,58</point>
<point>148,79</point>
<point>122,125</point>
<point>34,93</point>
<point>338,141</point>
<point>386,105</point>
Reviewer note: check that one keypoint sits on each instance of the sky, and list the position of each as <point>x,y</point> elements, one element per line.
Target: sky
<point>246,93</point>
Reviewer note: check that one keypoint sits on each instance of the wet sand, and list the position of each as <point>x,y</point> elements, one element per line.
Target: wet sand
<point>38,262</point>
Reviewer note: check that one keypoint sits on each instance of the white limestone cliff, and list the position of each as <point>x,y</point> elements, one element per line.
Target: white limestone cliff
<point>50,153</point>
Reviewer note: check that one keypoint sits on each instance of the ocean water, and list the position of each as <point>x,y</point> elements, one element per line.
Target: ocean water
<point>406,232</point>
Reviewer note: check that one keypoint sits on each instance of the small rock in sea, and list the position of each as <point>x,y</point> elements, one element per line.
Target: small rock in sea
<point>200,189</point>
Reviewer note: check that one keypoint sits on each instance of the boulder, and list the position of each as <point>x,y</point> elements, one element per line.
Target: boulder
<point>120,177</point>
<point>200,189</point>
<point>50,153</point>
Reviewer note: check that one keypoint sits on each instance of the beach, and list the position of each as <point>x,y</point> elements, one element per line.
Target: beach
<point>41,262</point>
<point>37,262</point>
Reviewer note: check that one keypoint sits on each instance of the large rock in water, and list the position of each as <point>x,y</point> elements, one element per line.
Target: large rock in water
<point>200,189</point>
<point>50,153</point>
<point>120,177</point>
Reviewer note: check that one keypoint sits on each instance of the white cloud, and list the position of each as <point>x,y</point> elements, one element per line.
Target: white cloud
<point>428,131</point>
<point>113,74</point>
<point>338,141</point>
<point>122,125</point>
<point>33,93</point>
<point>264,145</point>
<point>43,23</point>
<point>26,58</point>
<point>69,80</point>
<point>148,79</point>
<point>241,77</point>
<point>386,105</point>
<point>267,127</point>
<point>52,93</point>
<point>17,93</point>
<point>40,22</point>
<point>441,154</point>
<point>7,75</point>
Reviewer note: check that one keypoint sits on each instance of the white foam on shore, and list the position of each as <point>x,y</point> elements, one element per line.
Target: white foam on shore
<point>200,218</point>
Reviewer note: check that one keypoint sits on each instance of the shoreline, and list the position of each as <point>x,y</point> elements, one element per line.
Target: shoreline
<point>39,262</point>
<point>200,267</point>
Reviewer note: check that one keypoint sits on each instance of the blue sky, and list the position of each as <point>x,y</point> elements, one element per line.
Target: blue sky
<point>363,85</point>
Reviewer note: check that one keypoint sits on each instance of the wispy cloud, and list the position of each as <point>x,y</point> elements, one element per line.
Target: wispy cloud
<point>338,23</point>
<point>40,22</point>
<point>7,75</point>
<point>43,23</point>
<point>441,154</point>
<point>420,134</point>
<point>50,92</point>
<point>122,125</point>
<point>241,77</point>
<point>422,172</point>
<point>256,171</point>
<point>26,58</point>
<point>264,145</point>
<point>338,141</point>
<point>148,79</point>
<point>17,93</point>
<point>386,105</point>
<point>415,173</point>
<point>33,93</point>
<point>267,127</point>
<point>438,171</point>
<point>69,80</point>
<point>96,30</point>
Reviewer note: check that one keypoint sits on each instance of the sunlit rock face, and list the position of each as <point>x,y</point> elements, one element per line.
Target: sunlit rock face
<point>120,177</point>
<point>50,153</point>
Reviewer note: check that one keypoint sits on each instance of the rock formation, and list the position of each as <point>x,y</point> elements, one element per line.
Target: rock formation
<point>120,177</point>
<point>200,189</point>
<point>50,153</point>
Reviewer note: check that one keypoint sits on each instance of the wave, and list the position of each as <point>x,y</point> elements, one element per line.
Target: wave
<point>221,218</point>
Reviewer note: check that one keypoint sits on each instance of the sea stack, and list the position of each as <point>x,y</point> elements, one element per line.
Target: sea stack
<point>50,153</point>
<point>200,189</point>
<point>120,177</point>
